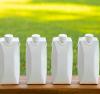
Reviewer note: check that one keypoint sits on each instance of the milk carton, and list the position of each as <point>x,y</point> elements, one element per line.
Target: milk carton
<point>88,59</point>
<point>36,60</point>
<point>62,59</point>
<point>9,60</point>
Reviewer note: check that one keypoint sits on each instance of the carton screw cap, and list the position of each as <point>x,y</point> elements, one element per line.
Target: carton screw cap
<point>62,37</point>
<point>35,37</point>
<point>8,38</point>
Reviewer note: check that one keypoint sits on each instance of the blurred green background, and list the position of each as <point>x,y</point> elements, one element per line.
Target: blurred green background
<point>49,18</point>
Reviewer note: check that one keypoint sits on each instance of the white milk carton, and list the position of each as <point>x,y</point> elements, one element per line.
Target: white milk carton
<point>9,60</point>
<point>36,60</point>
<point>62,59</point>
<point>88,59</point>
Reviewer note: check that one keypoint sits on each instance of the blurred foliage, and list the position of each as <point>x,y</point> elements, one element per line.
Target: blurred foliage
<point>49,18</point>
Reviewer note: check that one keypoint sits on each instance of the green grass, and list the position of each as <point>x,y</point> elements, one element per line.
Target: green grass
<point>23,22</point>
<point>89,2</point>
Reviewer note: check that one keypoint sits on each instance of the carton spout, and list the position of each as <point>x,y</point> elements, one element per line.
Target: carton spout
<point>62,37</point>
<point>8,38</point>
<point>89,37</point>
<point>36,37</point>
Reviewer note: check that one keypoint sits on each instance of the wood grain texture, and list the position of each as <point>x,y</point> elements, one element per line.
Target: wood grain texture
<point>74,88</point>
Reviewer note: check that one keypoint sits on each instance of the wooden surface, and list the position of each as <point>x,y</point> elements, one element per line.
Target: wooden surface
<point>74,88</point>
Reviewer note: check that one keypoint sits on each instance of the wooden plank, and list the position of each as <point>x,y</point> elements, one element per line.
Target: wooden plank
<point>74,88</point>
